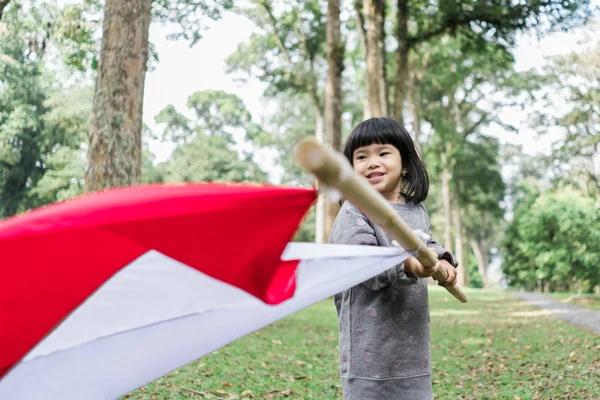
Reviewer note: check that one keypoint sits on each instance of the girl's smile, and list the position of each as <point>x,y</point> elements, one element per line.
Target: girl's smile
<point>375,177</point>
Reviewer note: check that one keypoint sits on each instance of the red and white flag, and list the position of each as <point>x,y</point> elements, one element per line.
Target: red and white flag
<point>102,294</point>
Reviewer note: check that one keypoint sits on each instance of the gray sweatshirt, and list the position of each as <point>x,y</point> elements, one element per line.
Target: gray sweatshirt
<point>384,322</point>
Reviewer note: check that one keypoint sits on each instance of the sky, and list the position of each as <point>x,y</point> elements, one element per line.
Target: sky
<point>183,70</point>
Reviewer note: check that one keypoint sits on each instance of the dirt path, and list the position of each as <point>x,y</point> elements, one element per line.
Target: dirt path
<point>579,316</point>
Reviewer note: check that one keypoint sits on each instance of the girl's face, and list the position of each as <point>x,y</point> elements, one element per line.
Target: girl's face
<point>381,165</point>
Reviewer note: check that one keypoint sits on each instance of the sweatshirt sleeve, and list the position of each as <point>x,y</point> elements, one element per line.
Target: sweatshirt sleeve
<point>441,252</point>
<point>353,227</point>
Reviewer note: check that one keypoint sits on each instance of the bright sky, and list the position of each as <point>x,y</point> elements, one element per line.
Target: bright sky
<point>183,70</point>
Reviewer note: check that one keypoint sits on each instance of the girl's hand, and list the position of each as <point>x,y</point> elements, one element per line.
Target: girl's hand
<point>450,270</point>
<point>415,268</point>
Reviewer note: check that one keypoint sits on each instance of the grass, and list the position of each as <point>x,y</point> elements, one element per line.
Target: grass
<point>494,347</point>
<point>588,300</point>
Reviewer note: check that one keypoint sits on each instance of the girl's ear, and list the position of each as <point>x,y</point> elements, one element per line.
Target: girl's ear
<point>404,171</point>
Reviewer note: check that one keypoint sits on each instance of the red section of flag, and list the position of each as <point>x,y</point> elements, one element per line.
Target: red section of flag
<point>54,258</point>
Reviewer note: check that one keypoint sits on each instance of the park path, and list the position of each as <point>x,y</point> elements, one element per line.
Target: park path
<point>575,315</point>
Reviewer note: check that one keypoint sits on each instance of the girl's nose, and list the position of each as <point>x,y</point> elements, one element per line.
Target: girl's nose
<point>373,162</point>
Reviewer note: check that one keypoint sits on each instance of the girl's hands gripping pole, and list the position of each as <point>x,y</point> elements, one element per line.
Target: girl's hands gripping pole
<point>335,171</point>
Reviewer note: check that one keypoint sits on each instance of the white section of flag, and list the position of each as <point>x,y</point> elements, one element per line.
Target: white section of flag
<point>158,314</point>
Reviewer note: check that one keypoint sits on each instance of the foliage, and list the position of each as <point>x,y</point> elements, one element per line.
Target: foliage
<point>75,28</point>
<point>499,347</point>
<point>208,159</point>
<point>554,238</point>
<point>68,29</point>
<point>188,15</point>
<point>288,50</point>
<point>66,124</point>
<point>495,20</point>
<point>206,143</point>
<point>306,231</point>
<point>475,280</point>
<point>23,90</point>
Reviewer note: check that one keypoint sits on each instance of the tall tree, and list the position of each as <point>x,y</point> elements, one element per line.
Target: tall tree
<point>456,98</point>
<point>333,93</point>
<point>289,55</point>
<point>478,190</point>
<point>419,22</point>
<point>115,151</point>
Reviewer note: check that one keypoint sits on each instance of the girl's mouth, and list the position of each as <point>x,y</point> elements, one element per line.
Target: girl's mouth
<point>375,177</point>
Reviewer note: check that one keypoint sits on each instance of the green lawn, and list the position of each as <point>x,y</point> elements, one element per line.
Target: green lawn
<point>494,347</point>
<point>588,301</point>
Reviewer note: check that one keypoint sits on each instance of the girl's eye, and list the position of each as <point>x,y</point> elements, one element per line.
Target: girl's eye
<point>360,157</point>
<point>385,153</point>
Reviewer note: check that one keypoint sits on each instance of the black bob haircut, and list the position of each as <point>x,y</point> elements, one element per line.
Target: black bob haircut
<point>388,131</point>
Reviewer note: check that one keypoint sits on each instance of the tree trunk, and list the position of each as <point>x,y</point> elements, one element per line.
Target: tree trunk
<point>335,62</point>
<point>384,90</point>
<point>362,34</point>
<point>333,95</point>
<point>412,94</point>
<point>481,257</point>
<point>401,60</point>
<point>414,109</point>
<point>320,213</point>
<point>366,110</point>
<point>115,147</point>
<point>461,272</point>
<point>446,177</point>
<point>321,210</point>
<point>373,10</point>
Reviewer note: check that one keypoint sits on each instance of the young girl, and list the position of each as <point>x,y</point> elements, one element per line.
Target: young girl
<point>384,322</point>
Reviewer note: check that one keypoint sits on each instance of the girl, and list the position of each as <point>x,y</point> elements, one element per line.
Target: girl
<point>384,322</point>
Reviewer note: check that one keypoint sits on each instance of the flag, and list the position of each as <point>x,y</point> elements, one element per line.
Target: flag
<point>104,293</point>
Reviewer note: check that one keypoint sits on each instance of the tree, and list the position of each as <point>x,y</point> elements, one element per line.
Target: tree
<point>67,120</point>
<point>478,191</point>
<point>22,108</point>
<point>288,51</point>
<point>114,155</point>
<point>206,151</point>
<point>333,94</point>
<point>455,97</point>
<point>555,242</point>
<point>495,21</point>
<point>208,158</point>
<point>374,32</point>
<point>288,54</point>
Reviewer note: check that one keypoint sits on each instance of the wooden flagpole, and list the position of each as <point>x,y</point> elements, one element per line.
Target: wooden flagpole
<point>334,170</point>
